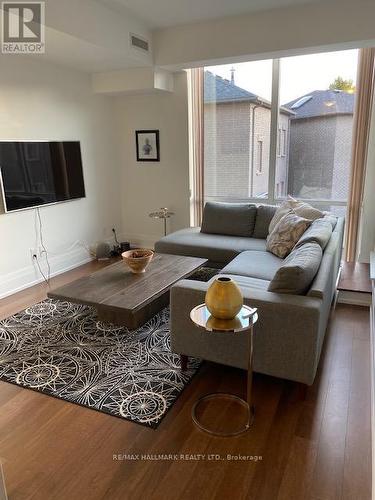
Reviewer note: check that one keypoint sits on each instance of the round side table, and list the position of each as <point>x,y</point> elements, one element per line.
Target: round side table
<point>243,322</point>
<point>163,214</point>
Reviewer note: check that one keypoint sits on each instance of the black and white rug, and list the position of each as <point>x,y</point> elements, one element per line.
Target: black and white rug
<point>63,350</point>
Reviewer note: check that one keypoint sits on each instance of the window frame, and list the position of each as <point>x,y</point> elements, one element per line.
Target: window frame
<point>272,197</point>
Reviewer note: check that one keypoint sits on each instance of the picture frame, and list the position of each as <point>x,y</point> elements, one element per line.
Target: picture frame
<point>147,145</point>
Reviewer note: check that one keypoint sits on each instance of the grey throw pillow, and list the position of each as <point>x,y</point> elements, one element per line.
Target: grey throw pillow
<point>286,234</point>
<point>232,219</point>
<point>298,270</point>
<point>319,232</point>
<point>263,219</point>
<point>332,219</point>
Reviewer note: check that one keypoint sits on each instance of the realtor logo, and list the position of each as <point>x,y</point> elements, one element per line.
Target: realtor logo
<point>23,27</point>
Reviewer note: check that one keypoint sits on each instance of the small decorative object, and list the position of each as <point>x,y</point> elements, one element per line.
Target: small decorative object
<point>102,251</point>
<point>124,246</point>
<point>147,142</point>
<point>224,298</point>
<point>164,214</point>
<point>138,259</point>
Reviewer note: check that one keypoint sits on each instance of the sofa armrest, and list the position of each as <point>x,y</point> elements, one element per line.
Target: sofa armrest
<point>287,336</point>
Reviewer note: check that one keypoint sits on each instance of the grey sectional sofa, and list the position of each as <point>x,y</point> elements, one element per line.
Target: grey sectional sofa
<point>289,335</point>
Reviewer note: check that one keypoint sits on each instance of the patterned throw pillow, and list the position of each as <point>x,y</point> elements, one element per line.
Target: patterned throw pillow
<point>283,209</point>
<point>286,234</point>
<point>300,208</point>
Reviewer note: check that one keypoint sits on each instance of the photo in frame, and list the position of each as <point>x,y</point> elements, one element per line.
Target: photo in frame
<point>147,144</point>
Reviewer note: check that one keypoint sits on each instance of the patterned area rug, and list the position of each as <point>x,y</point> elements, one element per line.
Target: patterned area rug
<point>63,350</point>
<point>204,274</point>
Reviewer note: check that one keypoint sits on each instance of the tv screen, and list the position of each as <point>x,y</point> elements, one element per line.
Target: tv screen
<point>40,173</point>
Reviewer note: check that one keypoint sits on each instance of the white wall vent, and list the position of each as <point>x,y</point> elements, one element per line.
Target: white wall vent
<point>139,43</point>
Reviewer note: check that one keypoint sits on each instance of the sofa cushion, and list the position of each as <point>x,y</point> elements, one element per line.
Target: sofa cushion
<point>298,270</point>
<point>283,209</point>
<point>332,219</point>
<point>286,234</point>
<point>214,247</point>
<point>264,216</point>
<point>254,264</point>
<point>233,219</point>
<point>305,210</point>
<point>300,208</point>
<point>246,282</point>
<point>319,232</point>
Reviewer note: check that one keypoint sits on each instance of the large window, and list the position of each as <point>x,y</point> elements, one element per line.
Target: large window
<point>273,128</point>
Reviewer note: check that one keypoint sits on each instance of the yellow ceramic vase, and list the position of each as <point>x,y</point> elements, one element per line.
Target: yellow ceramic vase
<point>224,298</point>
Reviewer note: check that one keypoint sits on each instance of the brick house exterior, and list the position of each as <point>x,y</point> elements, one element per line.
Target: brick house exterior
<point>237,142</point>
<point>320,144</point>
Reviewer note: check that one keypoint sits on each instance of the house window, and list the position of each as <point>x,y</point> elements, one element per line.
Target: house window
<point>283,142</point>
<point>279,142</point>
<point>305,144</point>
<point>260,157</point>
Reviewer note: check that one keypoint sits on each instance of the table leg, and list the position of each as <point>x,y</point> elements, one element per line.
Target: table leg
<point>249,388</point>
<point>184,362</point>
<point>250,368</point>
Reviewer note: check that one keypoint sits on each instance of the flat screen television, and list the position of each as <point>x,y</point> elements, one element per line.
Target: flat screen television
<point>40,173</point>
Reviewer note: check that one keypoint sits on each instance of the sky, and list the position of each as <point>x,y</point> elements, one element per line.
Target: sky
<point>299,75</point>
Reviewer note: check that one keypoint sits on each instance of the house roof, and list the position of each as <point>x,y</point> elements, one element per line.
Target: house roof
<point>322,103</point>
<point>218,89</point>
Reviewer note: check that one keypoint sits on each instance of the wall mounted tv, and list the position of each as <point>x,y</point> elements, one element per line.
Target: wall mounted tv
<point>40,173</point>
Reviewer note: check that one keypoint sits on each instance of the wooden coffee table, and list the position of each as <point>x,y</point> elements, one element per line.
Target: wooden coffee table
<point>128,299</point>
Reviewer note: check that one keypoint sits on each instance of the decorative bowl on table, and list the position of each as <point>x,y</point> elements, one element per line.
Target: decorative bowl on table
<point>138,259</point>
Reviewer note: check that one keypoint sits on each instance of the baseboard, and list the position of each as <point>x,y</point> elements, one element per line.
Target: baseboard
<point>29,276</point>
<point>354,298</point>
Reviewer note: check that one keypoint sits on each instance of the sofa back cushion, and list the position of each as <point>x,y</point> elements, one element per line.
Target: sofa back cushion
<point>319,232</point>
<point>298,270</point>
<point>286,233</point>
<point>232,219</point>
<point>264,216</point>
<point>332,219</point>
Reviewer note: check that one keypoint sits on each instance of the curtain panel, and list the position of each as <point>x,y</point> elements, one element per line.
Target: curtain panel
<point>362,121</point>
<point>196,125</point>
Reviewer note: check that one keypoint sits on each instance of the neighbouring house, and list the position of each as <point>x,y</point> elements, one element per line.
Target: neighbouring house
<point>320,144</point>
<point>237,141</point>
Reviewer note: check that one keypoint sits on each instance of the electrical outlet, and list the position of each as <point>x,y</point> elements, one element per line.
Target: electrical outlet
<point>33,253</point>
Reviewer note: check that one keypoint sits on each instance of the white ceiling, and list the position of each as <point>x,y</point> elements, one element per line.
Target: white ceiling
<point>164,13</point>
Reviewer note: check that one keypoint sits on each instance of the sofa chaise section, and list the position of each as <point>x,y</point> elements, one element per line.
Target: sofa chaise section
<point>218,249</point>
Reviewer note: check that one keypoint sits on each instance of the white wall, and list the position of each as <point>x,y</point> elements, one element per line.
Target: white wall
<point>148,186</point>
<point>42,101</point>
<point>327,25</point>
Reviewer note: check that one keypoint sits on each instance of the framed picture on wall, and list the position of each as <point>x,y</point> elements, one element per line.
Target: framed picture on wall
<point>147,144</point>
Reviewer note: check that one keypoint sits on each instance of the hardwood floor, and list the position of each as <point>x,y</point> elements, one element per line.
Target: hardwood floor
<point>318,448</point>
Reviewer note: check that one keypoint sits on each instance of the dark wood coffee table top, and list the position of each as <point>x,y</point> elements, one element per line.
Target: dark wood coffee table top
<point>117,288</point>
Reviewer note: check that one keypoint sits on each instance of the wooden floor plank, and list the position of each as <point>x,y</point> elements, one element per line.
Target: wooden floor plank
<point>328,473</point>
<point>317,448</point>
<point>357,468</point>
<point>298,474</point>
